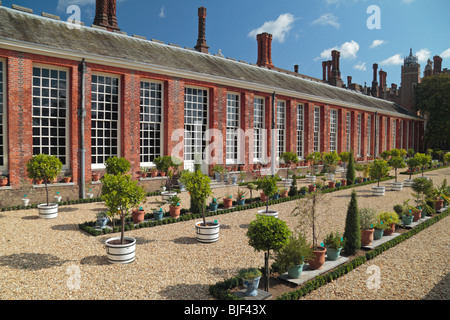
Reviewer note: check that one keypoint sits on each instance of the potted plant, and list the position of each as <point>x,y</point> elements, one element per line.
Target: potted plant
<point>175,207</point>
<point>250,279</point>
<point>314,160</point>
<point>379,169</point>
<point>334,242</point>
<point>412,164</point>
<point>390,220</point>
<point>3,180</point>
<point>199,188</point>
<point>378,230</point>
<point>166,165</point>
<point>306,210</point>
<point>291,258</point>
<point>423,161</point>
<point>122,195</point>
<point>58,197</point>
<point>441,195</point>
<point>228,201</point>
<point>289,158</point>
<point>213,205</point>
<point>396,163</point>
<point>268,186</point>
<point>352,232</point>
<point>102,219</point>
<point>240,194</point>
<point>67,177</point>
<point>45,167</point>
<point>423,189</point>
<point>330,160</point>
<point>158,214</point>
<point>138,215</point>
<point>218,171</point>
<point>251,187</point>
<point>368,217</point>
<point>153,172</point>
<point>144,172</point>
<point>267,233</point>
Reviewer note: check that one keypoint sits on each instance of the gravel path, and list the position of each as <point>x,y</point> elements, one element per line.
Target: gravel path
<point>54,259</point>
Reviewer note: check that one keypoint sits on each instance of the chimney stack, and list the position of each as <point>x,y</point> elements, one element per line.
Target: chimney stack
<point>264,50</point>
<point>201,41</point>
<point>296,68</point>
<point>335,78</point>
<point>374,90</point>
<point>383,76</point>
<point>349,81</point>
<point>437,65</point>
<point>105,14</point>
<point>324,70</point>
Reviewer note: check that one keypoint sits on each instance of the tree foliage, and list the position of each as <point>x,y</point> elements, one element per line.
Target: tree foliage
<point>352,233</point>
<point>44,167</point>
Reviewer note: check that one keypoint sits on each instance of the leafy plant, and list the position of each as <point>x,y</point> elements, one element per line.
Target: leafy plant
<point>396,163</point>
<point>352,232</point>
<point>44,167</point>
<point>117,166</point>
<point>268,233</point>
<point>412,164</point>
<point>295,252</point>
<point>334,240</point>
<point>314,159</point>
<point>175,201</point>
<point>378,169</point>
<point>389,218</point>
<point>251,187</point>
<point>422,160</point>
<point>250,273</point>
<point>240,194</point>
<point>368,217</point>
<point>289,158</point>
<point>330,160</point>
<point>199,189</point>
<point>123,195</point>
<point>268,185</point>
<point>423,193</point>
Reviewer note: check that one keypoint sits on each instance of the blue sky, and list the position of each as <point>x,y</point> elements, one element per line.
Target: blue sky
<point>304,32</point>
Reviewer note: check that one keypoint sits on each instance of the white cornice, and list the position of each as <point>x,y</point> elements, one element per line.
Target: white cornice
<point>145,67</point>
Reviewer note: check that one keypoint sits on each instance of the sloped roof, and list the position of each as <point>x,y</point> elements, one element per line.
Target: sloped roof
<point>28,29</point>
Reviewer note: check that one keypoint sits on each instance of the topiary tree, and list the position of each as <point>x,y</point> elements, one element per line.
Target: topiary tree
<point>352,233</point>
<point>423,160</point>
<point>396,163</point>
<point>289,158</point>
<point>330,159</point>
<point>44,167</point>
<point>123,195</point>
<point>412,164</point>
<point>385,155</point>
<point>265,234</point>
<point>117,166</point>
<point>351,177</point>
<point>198,185</point>
<point>379,169</point>
<point>268,185</point>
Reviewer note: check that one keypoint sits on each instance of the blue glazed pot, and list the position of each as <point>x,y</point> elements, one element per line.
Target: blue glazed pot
<point>213,206</point>
<point>295,272</point>
<point>333,254</point>
<point>338,184</point>
<point>241,202</point>
<point>252,285</point>
<point>378,234</point>
<point>158,215</point>
<point>102,222</point>
<point>407,220</point>
<point>276,196</point>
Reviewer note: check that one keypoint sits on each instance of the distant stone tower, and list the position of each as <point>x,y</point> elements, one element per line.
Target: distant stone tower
<point>410,79</point>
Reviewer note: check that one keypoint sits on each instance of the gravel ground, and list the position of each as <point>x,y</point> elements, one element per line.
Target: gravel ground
<point>55,260</point>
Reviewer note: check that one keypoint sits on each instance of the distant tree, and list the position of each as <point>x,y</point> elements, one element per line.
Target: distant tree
<point>432,98</point>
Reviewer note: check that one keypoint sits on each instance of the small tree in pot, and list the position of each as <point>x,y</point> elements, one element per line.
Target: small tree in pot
<point>423,160</point>
<point>379,169</point>
<point>266,234</point>
<point>289,158</point>
<point>45,167</point>
<point>268,185</point>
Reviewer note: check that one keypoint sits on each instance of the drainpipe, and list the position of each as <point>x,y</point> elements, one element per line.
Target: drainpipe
<point>82,114</point>
<point>274,142</point>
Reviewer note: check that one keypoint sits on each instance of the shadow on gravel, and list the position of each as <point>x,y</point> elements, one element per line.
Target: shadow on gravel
<point>65,227</point>
<point>67,209</point>
<point>441,290</point>
<point>31,261</point>
<point>95,260</point>
<point>185,240</point>
<point>185,292</point>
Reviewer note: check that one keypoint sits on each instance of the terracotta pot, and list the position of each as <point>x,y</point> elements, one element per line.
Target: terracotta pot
<point>285,193</point>
<point>312,188</point>
<point>174,211</point>
<point>332,184</point>
<point>138,215</point>
<point>343,182</point>
<point>227,203</point>
<point>67,179</point>
<point>144,175</point>
<point>154,174</point>
<point>439,204</point>
<point>38,181</point>
<point>367,237</point>
<point>417,214</point>
<point>263,197</point>
<point>95,176</point>
<point>3,182</point>
<point>319,259</point>
<point>389,232</point>
<point>163,174</point>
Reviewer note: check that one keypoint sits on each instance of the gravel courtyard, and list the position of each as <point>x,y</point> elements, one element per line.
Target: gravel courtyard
<point>55,260</point>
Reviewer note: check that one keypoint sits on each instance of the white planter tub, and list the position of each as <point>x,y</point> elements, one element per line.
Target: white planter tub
<point>408,182</point>
<point>329,176</point>
<point>287,183</point>
<point>311,179</point>
<point>121,253</point>
<point>25,201</point>
<point>166,195</point>
<point>48,211</point>
<point>271,213</point>
<point>396,186</point>
<point>207,234</point>
<point>379,191</point>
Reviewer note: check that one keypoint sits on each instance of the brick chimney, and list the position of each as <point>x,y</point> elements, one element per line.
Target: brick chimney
<point>105,14</point>
<point>335,79</point>
<point>324,70</point>
<point>349,81</point>
<point>264,50</point>
<point>383,76</point>
<point>201,41</point>
<point>437,65</point>
<point>296,68</point>
<point>374,90</point>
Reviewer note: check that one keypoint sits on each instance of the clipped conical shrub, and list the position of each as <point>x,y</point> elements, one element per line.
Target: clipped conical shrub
<point>351,169</point>
<point>352,233</point>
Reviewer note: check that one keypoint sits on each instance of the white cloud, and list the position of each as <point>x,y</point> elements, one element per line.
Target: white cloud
<point>361,66</point>
<point>278,28</point>
<point>408,1</point>
<point>348,50</point>
<point>377,43</point>
<point>445,54</point>
<point>423,55</point>
<point>327,19</point>
<point>392,61</point>
<point>162,13</point>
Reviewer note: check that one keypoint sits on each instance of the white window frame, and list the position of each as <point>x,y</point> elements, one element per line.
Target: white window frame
<point>385,133</point>
<point>407,135</point>
<point>369,131</point>
<point>317,128</point>
<point>301,131</point>
<point>359,125</point>
<point>119,112</point>
<point>377,136</point>
<point>401,133</point>
<point>258,127</point>
<point>334,130</point>
<point>4,116</point>
<point>190,162</point>
<point>394,134</point>
<point>281,128</point>
<point>233,121</point>
<point>66,165</point>
<point>349,130</point>
<point>142,115</point>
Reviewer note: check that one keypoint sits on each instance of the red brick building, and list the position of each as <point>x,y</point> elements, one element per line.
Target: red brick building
<point>88,93</point>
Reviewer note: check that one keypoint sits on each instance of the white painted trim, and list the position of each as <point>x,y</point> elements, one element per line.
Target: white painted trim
<point>145,67</point>
<point>5,117</point>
